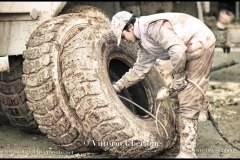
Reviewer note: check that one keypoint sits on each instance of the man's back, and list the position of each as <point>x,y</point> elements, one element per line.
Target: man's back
<point>187,27</point>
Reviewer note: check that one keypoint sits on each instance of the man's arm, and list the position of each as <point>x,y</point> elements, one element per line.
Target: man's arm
<point>142,66</point>
<point>162,32</point>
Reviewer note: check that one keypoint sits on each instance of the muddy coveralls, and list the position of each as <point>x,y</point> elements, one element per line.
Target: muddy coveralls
<point>190,45</point>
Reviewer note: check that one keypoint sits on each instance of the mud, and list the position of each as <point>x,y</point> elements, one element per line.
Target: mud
<point>223,94</point>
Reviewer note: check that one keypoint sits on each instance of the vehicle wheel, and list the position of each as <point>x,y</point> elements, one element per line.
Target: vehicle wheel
<point>116,126</point>
<point>13,99</point>
<point>43,76</point>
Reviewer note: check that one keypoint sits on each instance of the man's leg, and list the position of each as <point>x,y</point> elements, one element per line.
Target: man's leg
<point>188,136</point>
<point>191,102</point>
<point>190,107</point>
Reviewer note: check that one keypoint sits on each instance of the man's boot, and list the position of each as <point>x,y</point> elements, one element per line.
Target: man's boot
<point>188,136</point>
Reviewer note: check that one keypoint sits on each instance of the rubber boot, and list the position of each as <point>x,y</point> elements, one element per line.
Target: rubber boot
<point>188,136</point>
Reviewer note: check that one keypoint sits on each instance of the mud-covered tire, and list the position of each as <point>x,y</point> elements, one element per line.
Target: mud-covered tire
<point>13,99</point>
<point>44,77</point>
<point>105,118</point>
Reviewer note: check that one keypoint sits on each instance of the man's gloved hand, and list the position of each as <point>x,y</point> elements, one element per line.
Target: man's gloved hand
<point>163,94</point>
<point>118,86</point>
<point>179,82</point>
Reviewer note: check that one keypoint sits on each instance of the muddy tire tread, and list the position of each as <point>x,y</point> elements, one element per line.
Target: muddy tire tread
<point>13,98</point>
<point>41,85</point>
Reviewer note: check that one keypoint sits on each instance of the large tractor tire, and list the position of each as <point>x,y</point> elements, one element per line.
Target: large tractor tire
<point>117,126</point>
<point>46,66</point>
<point>13,99</point>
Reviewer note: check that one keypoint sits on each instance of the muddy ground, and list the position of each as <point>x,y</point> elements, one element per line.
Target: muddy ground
<point>224,95</point>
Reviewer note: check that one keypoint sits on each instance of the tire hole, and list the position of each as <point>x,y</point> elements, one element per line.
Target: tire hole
<point>135,93</point>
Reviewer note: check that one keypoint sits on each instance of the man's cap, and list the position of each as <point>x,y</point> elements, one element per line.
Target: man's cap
<point>119,21</point>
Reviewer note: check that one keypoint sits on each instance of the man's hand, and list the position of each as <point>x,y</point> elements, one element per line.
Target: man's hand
<point>117,86</point>
<point>163,94</point>
<point>179,83</point>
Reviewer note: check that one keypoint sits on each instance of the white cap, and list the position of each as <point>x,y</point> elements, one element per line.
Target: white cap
<point>119,21</point>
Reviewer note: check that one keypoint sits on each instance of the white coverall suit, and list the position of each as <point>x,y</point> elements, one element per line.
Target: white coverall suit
<point>190,46</point>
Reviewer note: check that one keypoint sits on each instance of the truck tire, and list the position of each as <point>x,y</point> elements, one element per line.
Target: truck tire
<point>13,99</point>
<point>106,118</point>
<point>43,77</point>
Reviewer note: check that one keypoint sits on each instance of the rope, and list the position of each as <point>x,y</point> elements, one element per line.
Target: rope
<point>211,117</point>
<point>215,124</point>
<point>160,103</point>
<point>156,120</point>
<point>198,87</point>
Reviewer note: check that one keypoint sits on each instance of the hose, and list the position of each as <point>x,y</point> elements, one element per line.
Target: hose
<point>160,104</point>
<point>156,120</point>
<point>211,117</point>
